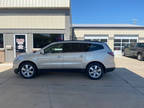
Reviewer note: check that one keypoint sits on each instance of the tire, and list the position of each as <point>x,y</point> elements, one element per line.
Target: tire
<point>27,70</point>
<point>95,71</point>
<point>123,53</point>
<point>139,57</point>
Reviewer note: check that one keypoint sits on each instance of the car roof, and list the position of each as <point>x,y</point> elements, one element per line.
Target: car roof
<point>79,41</point>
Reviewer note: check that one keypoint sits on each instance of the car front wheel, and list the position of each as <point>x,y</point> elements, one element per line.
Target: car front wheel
<point>27,70</point>
<point>123,53</point>
<point>95,71</point>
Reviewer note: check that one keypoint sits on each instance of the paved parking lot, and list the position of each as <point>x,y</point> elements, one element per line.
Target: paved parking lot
<point>123,88</point>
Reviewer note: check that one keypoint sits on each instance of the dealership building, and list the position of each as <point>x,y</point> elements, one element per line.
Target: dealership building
<point>29,25</point>
<point>115,35</point>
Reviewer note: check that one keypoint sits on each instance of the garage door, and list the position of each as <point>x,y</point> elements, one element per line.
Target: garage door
<point>100,38</point>
<point>121,40</point>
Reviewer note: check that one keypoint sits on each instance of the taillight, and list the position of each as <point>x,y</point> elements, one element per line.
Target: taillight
<point>111,53</point>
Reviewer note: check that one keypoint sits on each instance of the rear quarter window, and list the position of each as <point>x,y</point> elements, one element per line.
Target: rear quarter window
<point>95,47</point>
<point>108,47</point>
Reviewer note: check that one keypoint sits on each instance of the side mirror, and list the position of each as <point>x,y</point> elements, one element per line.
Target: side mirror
<point>42,52</point>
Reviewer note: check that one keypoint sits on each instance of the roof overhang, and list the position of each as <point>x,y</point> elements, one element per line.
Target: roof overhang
<point>34,4</point>
<point>108,26</point>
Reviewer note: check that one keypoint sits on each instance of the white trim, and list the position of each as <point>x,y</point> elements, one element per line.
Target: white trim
<point>36,49</point>
<point>96,37</point>
<point>15,46</point>
<point>120,37</point>
<point>92,37</point>
<point>1,49</point>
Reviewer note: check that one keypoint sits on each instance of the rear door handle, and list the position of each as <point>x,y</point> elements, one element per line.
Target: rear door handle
<point>58,56</point>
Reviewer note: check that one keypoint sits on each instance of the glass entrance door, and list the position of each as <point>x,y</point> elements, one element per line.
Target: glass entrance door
<point>121,40</point>
<point>20,44</point>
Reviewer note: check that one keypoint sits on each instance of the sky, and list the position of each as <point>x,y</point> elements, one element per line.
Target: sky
<point>107,11</point>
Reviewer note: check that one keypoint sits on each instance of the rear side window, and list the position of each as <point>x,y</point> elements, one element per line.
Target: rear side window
<point>132,45</point>
<point>95,47</point>
<point>108,47</point>
<point>81,47</point>
<point>72,47</point>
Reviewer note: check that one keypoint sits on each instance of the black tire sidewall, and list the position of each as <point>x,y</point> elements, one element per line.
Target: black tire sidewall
<point>35,70</point>
<point>140,58</point>
<point>98,64</point>
<point>123,53</point>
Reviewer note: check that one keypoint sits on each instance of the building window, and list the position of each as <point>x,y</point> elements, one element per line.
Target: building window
<point>122,40</point>
<point>1,41</point>
<point>41,40</point>
<point>99,38</point>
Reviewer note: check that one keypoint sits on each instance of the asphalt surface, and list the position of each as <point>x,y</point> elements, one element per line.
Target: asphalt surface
<point>123,88</point>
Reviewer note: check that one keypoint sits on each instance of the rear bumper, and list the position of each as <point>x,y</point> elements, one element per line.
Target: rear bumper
<point>110,69</point>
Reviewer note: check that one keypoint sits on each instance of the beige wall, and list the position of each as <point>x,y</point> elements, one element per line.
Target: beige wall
<point>80,32</point>
<point>35,22</point>
<point>111,32</point>
<point>2,56</point>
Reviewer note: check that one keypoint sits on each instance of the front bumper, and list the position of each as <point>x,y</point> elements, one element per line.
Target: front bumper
<point>16,71</point>
<point>110,69</point>
<point>15,67</point>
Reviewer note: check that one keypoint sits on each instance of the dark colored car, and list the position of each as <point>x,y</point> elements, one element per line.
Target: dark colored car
<point>134,50</point>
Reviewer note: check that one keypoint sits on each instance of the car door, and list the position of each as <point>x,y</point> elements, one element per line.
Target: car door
<point>127,50</point>
<point>73,56</point>
<point>52,57</point>
<point>133,49</point>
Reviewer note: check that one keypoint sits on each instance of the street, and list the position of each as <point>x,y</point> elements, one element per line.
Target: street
<point>123,88</point>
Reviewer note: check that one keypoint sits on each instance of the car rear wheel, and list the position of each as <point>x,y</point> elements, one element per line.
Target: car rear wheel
<point>95,71</point>
<point>139,57</point>
<point>27,70</point>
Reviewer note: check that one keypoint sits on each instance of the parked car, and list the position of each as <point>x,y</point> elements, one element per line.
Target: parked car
<point>134,50</point>
<point>95,58</point>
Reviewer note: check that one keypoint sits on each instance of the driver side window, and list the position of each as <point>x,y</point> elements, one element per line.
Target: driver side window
<point>56,48</point>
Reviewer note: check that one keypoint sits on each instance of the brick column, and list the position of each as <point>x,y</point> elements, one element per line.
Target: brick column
<point>111,42</point>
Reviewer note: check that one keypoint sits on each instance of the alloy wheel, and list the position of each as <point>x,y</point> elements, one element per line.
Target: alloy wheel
<point>27,70</point>
<point>95,71</point>
<point>139,57</point>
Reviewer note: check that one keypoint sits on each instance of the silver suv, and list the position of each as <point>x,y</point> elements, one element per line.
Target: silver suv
<point>95,58</point>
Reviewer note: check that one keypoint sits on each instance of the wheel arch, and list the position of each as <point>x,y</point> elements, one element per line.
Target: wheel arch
<point>27,61</point>
<point>139,52</point>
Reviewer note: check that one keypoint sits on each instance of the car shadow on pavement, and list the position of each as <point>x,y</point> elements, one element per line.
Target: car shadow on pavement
<point>123,72</point>
<point>118,73</point>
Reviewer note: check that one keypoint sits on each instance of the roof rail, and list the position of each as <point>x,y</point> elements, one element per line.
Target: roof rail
<point>81,41</point>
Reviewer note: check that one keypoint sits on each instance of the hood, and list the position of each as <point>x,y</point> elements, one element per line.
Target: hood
<point>29,54</point>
